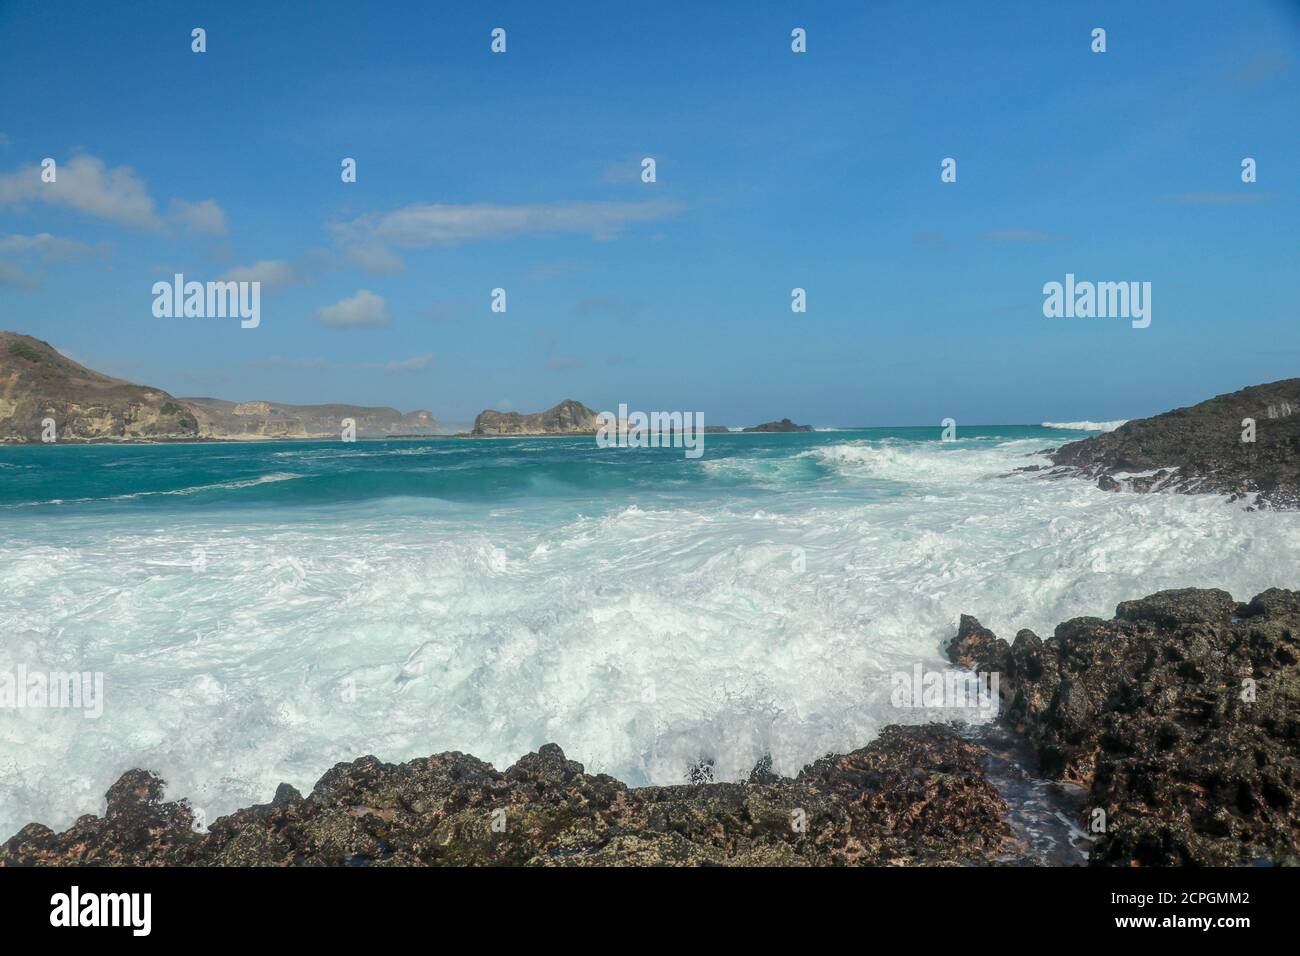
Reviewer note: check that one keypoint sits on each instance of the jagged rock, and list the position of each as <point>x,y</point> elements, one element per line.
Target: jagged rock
<point>916,795</point>
<point>137,829</point>
<point>977,648</point>
<point>1182,716</point>
<point>1199,449</point>
<point>1185,606</point>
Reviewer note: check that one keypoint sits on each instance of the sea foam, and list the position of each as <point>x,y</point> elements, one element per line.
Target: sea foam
<point>1087,426</point>
<point>754,606</point>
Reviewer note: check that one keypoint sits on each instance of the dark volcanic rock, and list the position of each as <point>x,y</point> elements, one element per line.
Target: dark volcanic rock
<point>1182,714</point>
<point>916,795</point>
<point>1200,449</point>
<point>976,647</point>
<point>137,829</point>
<point>784,425</point>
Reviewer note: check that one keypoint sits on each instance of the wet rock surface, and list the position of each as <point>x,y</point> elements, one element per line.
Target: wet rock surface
<point>1181,716</point>
<point>1200,449</point>
<point>1178,720</point>
<point>914,796</point>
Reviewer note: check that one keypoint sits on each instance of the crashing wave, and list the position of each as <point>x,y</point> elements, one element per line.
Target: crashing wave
<point>1086,426</point>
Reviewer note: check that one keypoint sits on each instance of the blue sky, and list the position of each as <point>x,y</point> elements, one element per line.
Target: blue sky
<point>775,170</point>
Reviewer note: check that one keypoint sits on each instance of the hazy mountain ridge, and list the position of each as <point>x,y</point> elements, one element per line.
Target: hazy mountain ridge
<point>259,419</point>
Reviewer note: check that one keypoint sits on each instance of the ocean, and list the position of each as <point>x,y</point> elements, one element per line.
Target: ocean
<point>261,611</point>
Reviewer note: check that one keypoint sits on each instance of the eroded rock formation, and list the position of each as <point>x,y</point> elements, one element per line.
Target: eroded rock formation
<point>1182,715</point>
<point>1200,449</point>
<point>567,418</point>
<point>915,795</point>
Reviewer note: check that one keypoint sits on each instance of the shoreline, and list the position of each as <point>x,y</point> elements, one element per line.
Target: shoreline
<point>268,440</point>
<point>262,440</point>
<point>1087,720</point>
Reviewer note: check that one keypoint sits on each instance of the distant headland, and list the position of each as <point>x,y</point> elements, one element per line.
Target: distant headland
<point>39,385</point>
<point>44,392</point>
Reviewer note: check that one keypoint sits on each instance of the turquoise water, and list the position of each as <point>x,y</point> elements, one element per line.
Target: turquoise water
<point>109,479</point>
<point>261,611</point>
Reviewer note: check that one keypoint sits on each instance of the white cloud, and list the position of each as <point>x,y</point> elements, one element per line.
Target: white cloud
<point>204,216</point>
<point>370,240</point>
<point>272,273</point>
<point>86,185</point>
<point>375,259</point>
<point>45,246</point>
<point>363,309</point>
<point>18,253</point>
<point>417,363</point>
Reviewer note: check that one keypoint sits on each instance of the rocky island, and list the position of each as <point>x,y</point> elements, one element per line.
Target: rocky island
<point>1181,717</point>
<point>38,383</point>
<point>784,425</point>
<point>1244,446</point>
<point>567,418</point>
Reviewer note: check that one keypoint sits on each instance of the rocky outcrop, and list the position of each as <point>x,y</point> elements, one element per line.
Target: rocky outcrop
<point>567,418</point>
<point>1181,714</point>
<point>1180,717</point>
<point>38,383</point>
<point>784,425</point>
<point>1200,449</point>
<point>916,795</point>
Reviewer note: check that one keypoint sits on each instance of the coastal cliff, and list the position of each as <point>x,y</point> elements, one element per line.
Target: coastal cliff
<point>37,383</point>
